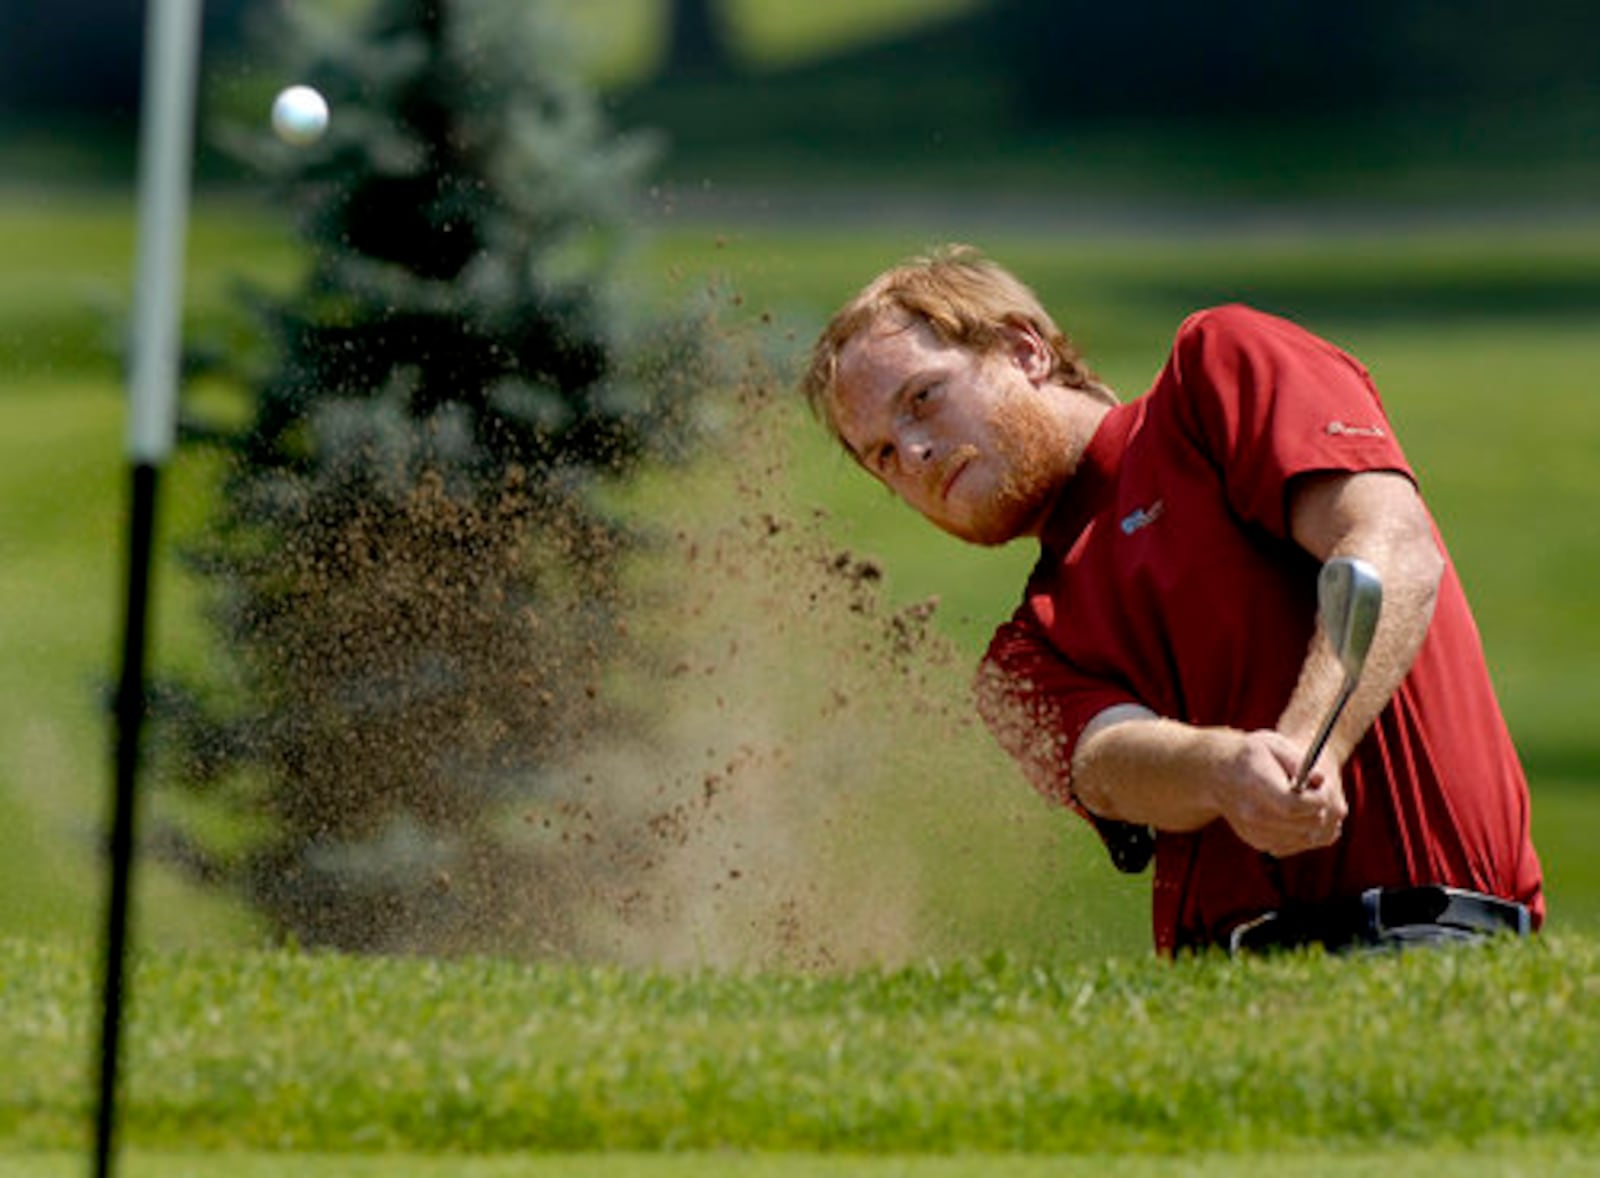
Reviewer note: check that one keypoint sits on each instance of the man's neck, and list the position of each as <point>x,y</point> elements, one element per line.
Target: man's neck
<point>1082,415</point>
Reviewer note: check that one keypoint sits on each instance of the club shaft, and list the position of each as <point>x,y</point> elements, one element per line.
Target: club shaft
<point>1321,739</point>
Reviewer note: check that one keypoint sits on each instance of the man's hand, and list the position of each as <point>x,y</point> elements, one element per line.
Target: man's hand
<point>1253,792</point>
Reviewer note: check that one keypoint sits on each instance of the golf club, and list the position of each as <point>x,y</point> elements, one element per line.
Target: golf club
<point>1349,600</point>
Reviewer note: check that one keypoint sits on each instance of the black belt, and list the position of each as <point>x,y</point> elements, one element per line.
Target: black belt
<point>1389,917</point>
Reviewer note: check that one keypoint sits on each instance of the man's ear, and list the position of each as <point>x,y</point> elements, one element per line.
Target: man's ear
<point>1028,351</point>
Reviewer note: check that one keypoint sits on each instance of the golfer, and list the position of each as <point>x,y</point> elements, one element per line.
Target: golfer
<point>1163,675</point>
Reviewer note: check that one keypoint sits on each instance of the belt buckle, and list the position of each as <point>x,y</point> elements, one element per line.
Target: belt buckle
<point>1485,913</point>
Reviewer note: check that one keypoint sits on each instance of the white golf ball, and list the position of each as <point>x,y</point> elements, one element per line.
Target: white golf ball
<point>299,115</point>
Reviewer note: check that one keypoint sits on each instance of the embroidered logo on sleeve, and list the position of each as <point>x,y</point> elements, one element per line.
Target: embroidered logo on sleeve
<point>1343,429</point>
<point>1141,517</point>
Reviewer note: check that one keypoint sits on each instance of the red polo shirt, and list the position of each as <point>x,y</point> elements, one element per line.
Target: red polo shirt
<point>1167,577</point>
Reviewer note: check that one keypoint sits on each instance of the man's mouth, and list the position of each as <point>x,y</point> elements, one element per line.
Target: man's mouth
<point>955,469</point>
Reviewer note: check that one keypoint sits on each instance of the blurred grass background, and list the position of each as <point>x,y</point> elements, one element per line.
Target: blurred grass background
<point>1471,288</point>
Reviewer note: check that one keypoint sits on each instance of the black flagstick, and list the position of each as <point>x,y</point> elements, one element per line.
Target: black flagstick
<point>172,42</point>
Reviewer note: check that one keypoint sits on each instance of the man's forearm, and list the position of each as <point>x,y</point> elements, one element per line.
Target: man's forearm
<point>1135,767</point>
<point>1176,777</point>
<point>1381,520</point>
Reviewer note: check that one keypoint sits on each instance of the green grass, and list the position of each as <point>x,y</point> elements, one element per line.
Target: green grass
<point>1447,1051</point>
<point>1523,1160</point>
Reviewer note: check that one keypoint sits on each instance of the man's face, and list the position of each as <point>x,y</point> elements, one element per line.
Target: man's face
<point>976,443</point>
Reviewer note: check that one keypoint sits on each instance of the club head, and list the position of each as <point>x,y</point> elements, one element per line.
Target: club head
<point>1349,600</point>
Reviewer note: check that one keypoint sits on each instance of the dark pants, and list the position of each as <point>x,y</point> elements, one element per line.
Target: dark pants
<point>1383,918</point>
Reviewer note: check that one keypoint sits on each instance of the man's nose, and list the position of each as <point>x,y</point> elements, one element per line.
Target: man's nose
<point>919,449</point>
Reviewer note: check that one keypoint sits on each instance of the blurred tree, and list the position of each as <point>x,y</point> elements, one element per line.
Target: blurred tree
<point>412,576</point>
<point>697,42</point>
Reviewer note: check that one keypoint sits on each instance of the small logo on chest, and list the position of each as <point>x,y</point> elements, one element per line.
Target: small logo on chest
<point>1141,517</point>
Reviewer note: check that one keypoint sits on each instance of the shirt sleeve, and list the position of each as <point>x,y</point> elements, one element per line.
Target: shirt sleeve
<point>1037,706</point>
<point>1268,401</point>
